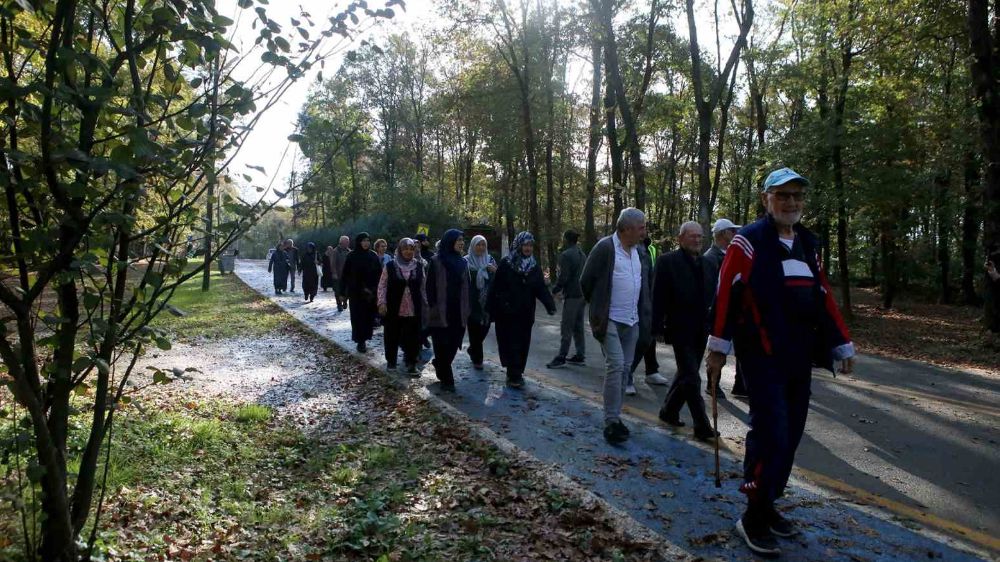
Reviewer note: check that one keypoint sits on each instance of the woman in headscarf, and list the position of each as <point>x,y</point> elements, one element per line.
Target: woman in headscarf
<point>359,281</point>
<point>327,280</point>
<point>447,304</point>
<point>482,266</point>
<point>401,304</point>
<point>279,266</point>
<point>511,305</point>
<point>307,265</point>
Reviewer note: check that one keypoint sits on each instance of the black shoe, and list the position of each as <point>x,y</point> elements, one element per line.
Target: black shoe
<point>411,370</point>
<point>719,394</point>
<point>740,393</point>
<point>779,526</point>
<point>705,433</point>
<point>576,360</point>
<point>362,347</point>
<point>671,420</point>
<point>557,363</point>
<point>448,387</point>
<point>615,432</point>
<point>516,381</point>
<point>391,366</point>
<point>758,538</point>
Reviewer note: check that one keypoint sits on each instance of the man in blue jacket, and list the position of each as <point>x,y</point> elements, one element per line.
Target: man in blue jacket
<point>775,308</point>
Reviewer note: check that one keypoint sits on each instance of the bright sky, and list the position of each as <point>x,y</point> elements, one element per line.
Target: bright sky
<point>267,145</point>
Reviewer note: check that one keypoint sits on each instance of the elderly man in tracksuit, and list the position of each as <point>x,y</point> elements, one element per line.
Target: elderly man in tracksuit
<point>775,308</point>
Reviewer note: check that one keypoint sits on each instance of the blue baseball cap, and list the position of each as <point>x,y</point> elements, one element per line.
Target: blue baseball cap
<point>781,177</point>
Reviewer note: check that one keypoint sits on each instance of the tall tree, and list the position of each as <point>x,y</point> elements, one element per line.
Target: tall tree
<point>985,48</point>
<point>706,105</point>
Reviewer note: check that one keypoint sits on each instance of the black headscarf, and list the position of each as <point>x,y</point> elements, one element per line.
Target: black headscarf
<point>452,260</point>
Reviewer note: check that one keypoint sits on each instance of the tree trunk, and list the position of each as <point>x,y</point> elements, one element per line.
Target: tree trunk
<point>593,145</point>
<point>970,229</point>
<point>837,160</point>
<point>614,148</point>
<point>985,49</point>
<point>622,103</point>
<point>942,206</point>
<point>706,105</point>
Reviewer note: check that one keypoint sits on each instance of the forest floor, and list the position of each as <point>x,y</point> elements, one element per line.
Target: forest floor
<point>941,334</point>
<point>285,447</point>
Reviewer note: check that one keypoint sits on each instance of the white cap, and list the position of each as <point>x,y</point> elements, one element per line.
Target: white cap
<point>723,224</point>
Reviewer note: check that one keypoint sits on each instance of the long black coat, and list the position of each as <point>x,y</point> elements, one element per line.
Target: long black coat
<point>310,278</point>
<point>328,280</point>
<point>511,305</point>
<point>279,266</point>
<point>683,293</point>
<point>362,270</point>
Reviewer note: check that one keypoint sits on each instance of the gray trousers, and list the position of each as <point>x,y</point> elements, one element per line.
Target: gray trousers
<point>619,349</point>
<point>571,327</point>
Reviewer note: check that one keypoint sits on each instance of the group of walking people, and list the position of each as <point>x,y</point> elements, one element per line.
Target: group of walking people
<point>418,294</point>
<point>758,293</point>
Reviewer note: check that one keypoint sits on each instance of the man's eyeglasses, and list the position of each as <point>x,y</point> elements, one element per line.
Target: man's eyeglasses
<point>785,196</point>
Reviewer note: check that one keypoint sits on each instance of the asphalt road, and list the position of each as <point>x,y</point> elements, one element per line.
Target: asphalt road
<point>915,435</point>
<point>915,440</point>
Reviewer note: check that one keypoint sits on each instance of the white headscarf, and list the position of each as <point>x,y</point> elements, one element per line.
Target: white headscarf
<point>477,264</point>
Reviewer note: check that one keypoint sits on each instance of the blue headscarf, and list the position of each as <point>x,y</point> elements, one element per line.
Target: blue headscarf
<point>521,263</point>
<point>452,260</point>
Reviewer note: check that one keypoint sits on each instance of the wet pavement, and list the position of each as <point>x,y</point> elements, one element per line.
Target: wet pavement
<point>660,477</point>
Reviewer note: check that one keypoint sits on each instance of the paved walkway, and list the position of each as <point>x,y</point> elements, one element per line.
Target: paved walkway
<point>661,478</point>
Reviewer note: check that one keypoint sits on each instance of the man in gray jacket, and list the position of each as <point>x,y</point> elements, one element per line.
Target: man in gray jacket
<point>616,283</point>
<point>568,285</point>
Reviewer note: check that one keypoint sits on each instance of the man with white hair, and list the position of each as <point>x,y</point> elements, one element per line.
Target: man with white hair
<point>683,291</point>
<point>615,281</point>
<point>723,232</point>
<point>776,310</point>
<point>339,259</point>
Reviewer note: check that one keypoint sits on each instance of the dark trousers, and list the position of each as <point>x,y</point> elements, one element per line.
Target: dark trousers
<point>779,402</point>
<point>514,344</point>
<point>686,388</point>
<point>363,313</point>
<point>446,341</point>
<point>571,327</point>
<point>291,275</point>
<point>477,333</point>
<point>739,386</point>
<point>402,332</point>
<point>649,356</point>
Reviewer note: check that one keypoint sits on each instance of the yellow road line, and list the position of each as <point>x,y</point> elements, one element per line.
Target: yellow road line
<point>843,488</point>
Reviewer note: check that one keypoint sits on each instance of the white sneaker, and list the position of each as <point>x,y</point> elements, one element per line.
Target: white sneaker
<point>630,390</point>
<point>657,379</point>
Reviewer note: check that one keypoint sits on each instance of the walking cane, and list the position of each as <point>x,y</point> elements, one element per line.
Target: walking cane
<point>715,424</point>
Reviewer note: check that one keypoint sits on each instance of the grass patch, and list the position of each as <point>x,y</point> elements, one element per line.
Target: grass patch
<point>228,309</point>
<point>252,414</point>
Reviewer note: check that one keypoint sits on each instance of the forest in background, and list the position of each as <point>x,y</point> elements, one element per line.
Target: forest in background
<point>546,116</point>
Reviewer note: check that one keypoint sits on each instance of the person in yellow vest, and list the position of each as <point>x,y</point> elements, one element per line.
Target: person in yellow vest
<point>653,376</point>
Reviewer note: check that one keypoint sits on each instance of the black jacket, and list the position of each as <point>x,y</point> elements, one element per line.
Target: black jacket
<point>512,294</point>
<point>683,293</point>
<point>362,270</point>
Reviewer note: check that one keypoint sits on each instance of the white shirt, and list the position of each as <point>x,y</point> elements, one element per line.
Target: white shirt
<point>626,284</point>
